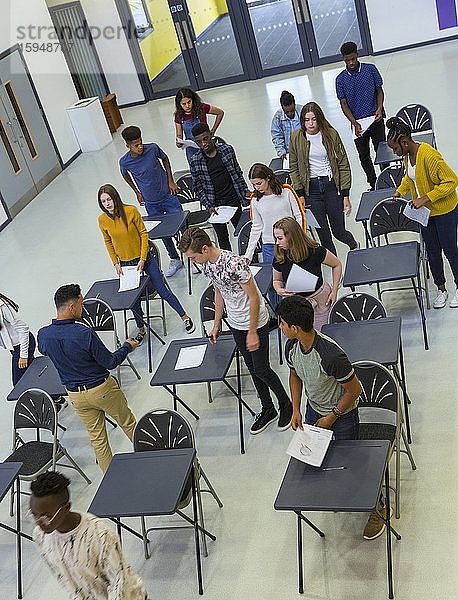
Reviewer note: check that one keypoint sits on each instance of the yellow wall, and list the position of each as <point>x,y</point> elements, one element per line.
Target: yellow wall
<point>161,46</point>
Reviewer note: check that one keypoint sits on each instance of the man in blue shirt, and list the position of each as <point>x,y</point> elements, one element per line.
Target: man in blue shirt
<point>359,89</point>
<point>154,185</point>
<point>83,363</point>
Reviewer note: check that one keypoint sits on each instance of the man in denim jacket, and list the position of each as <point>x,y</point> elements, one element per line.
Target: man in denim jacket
<point>284,122</point>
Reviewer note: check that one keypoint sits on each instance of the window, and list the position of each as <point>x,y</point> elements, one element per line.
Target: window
<point>141,17</point>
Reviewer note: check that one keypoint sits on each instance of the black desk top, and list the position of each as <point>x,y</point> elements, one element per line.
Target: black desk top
<point>214,367</point>
<point>8,474</point>
<point>369,201</point>
<point>353,489</point>
<point>107,290</point>
<point>169,226</point>
<point>49,380</point>
<point>384,153</point>
<point>374,339</point>
<point>143,483</point>
<point>263,277</point>
<point>385,263</point>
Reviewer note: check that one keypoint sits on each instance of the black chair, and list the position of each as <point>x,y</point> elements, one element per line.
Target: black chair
<point>380,414</point>
<point>283,175</point>
<point>98,315</point>
<point>390,177</point>
<point>418,118</point>
<point>165,430</point>
<point>186,196</point>
<point>388,217</point>
<point>356,307</point>
<point>243,239</point>
<point>35,409</point>
<point>276,163</point>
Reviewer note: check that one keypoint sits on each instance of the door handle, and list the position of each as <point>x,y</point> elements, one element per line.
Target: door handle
<point>187,34</point>
<point>180,36</point>
<point>297,12</point>
<point>305,10</point>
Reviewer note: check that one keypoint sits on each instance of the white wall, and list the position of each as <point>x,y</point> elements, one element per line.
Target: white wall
<point>397,23</point>
<point>48,69</point>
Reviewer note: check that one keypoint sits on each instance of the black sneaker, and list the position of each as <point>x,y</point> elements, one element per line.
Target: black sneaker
<point>262,420</point>
<point>140,337</point>
<point>286,414</point>
<point>189,325</point>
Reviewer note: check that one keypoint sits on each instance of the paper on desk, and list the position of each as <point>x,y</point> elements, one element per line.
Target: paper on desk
<point>310,220</point>
<point>187,143</point>
<point>365,123</point>
<point>130,279</point>
<point>223,214</point>
<point>286,162</point>
<point>310,445</point>
<point>190,357</point>
<point>151,224</point>
<point>300,280</point>
<point>421,215</point>
<point>255,270</point>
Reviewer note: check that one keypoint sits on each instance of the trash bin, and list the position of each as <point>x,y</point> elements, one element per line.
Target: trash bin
<point>89,124</point>
<point>111,109</point>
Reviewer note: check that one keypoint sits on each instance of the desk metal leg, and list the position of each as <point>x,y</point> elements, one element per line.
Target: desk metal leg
<point>196,530</point>
<point>388,534</point>
<point>189,276</point>
<point>18,538</point>
<point>241,403</point>
<point>366,233</point>
<point>402,382</point>
<point>177,398</point>
<point>422,310</point>
<point>148,332</point>
<point>119,528</point>
<point>299,554</point>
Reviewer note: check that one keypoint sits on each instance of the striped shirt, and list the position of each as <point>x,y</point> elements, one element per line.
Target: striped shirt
<point>88,562</point>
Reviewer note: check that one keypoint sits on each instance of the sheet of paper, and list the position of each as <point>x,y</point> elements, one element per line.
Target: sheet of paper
<point>151,224</point>
<point>300,280</point>
<point>365,124</point>
<point>310,220</point>
<point>130,279</point>
<point>286,162</point>
<point>421,215</point>
<point>255,270</point>
<point>190,357</point>
<point>223,214</point>
<point>310,446</point>
<point>187,143</point>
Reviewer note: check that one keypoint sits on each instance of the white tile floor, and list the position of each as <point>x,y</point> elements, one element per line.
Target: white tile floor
<point>56,240</point>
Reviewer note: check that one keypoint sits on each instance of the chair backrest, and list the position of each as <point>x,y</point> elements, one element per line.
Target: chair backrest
<point>98,315</point>
<point>162,430</point>
<point>207,308</point>
<point>243,239</point>
<point>185,192</point>
<point>417,117</point>
<point>390,177</point>
<point>378,406</point>
<point>356,307</point>
<point>387,217</point>
<point>35,409</point>
<point>178,174</point>
<point>283,175</point>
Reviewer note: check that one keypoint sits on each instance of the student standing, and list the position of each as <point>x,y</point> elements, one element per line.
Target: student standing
<point>15,337</point>
<point>154,185</point>
<point>217,179</point>
<point>190,110</point>
<point>126,240</point>
<point>284,122</point>
<point>432,183</point>
<point>321,175</point>
<point>83,363</point>
<point>81,550</point>
<point>359,89</point>
<point>247,316</point>
<point>294,247</point>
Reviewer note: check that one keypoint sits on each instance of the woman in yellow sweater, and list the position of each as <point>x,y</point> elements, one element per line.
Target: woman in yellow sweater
<point>432,183</point>
<point>126,240</point>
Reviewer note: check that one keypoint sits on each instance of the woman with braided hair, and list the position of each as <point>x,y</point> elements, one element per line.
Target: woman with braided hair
<point>432,183</point>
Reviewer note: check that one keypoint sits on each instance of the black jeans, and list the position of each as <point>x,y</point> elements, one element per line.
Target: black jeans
<point>440,237</point>
<point>16,371</point>
<point>327,206</point>
<point>376,133</point>
<point>222,232</point>
<point>257,362</point>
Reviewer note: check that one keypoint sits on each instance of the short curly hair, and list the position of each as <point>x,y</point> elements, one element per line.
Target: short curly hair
<point>51,483</point>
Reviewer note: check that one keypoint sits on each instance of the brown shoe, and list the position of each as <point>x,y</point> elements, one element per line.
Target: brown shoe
<point>375,526</point>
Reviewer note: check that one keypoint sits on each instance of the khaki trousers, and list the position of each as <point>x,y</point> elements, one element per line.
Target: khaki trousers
<point>91,406</point>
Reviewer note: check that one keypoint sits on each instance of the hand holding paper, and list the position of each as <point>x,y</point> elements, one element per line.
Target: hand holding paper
<point>310,444</point>
<point>300,280</point>
<point>130,280</point>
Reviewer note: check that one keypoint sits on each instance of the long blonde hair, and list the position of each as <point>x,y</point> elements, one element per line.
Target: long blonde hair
<point>299,243</point>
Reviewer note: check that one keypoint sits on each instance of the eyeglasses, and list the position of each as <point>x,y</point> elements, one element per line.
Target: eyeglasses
<point>44,519</point>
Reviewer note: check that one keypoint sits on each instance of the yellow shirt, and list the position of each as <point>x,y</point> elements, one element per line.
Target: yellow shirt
<point>125,244</point>
<point>433,177</point>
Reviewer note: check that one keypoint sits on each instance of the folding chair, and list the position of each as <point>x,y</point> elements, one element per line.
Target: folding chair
<point>283,175</point>
<point>418,118</point>
<point>390,177</point>
<point>356,307</point>
<point>243,239</point>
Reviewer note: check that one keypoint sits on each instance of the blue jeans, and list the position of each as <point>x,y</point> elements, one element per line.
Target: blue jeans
<point>345,427</point>
<point>268,257</point>
<point>17,372</point>
<point>151,268</point>
<point>440,236</point>
<point>168,206</point>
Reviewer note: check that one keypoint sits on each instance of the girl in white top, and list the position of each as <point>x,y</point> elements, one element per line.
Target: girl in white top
<point>270,201</point>
<point>15,337</point>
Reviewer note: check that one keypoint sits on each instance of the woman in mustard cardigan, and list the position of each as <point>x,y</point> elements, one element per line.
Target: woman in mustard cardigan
<point>432,183</point>
<point>126,240</point>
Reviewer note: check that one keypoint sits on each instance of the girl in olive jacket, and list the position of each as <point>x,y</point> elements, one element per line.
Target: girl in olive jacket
<point>321,176</point>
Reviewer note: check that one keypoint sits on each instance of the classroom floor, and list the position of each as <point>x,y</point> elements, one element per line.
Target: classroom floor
<point>56,240</point>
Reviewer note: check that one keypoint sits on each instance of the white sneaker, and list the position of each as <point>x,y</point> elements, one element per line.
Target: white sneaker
<point>441,299</point>
<point>174,266</point>
<point>454,302</point>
